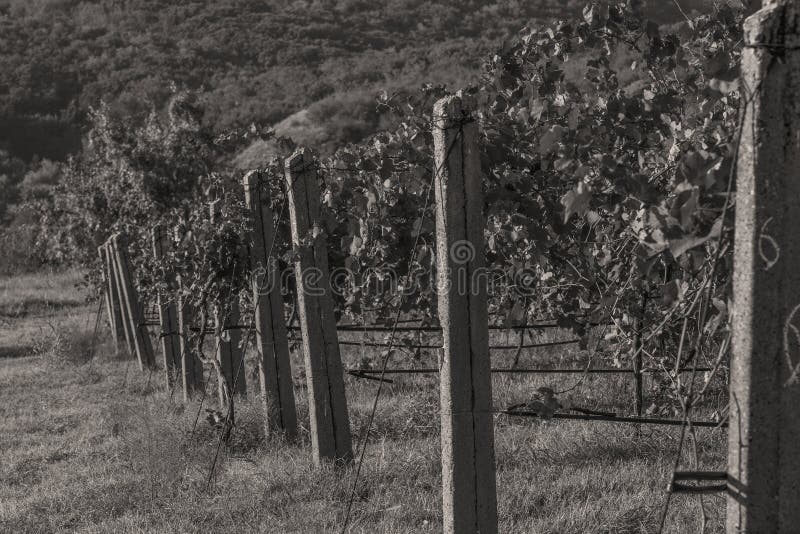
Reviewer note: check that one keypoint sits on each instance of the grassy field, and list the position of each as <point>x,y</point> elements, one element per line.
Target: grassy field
<point>95,445</point>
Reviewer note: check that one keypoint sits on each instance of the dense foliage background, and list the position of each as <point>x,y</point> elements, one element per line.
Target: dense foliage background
<point>608,142</point>
<point>311,69</point>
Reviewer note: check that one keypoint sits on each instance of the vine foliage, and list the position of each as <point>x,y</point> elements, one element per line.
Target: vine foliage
<point>607,149</point>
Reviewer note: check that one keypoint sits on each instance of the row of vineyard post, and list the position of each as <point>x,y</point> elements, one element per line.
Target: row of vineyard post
<point>764,438</point>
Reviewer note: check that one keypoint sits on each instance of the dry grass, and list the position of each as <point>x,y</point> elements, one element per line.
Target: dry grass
<point>37,308</point>
<point>101,447</point>
<point>40,293</point>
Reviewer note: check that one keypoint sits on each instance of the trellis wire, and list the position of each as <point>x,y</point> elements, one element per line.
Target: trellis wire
<point>510,370</point>
<point>618,419</point>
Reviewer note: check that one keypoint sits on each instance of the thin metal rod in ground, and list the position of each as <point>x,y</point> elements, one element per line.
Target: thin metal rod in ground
<point>620,419</point>
<point>432,370</point>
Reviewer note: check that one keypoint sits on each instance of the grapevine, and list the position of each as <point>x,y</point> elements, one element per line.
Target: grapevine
<point>608,145</point>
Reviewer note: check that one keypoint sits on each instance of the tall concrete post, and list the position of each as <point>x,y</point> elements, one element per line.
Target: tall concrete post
<point>167,314</point>
<point>133,313</point>
<point>111,297</point>
<point>229,354</point>
<point>764,428</point>
<point>190,365</point>
<point>468,470</point>
<point>116,278</point>
<point>327,403</point>
<point>272,341</point>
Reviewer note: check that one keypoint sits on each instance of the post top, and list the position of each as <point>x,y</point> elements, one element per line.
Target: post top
<point>296,162</point>
<point>453,110</point>
<point>250,177</point>
<point>772,26</point>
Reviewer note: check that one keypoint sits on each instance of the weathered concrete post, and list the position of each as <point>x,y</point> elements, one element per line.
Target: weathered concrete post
<point>123,310</point>
<point>167,314</point>
<point>229,354</point>
<point>764,424</point>
<point>143,347</point>
<point>190,365</point>
<point>272,342</point>
<point>330,422</point>
<point>227,335</point>
<point>111,297</point>
<point>468,471</point>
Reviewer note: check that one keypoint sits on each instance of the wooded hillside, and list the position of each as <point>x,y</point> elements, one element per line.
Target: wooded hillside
<point>249,61</point>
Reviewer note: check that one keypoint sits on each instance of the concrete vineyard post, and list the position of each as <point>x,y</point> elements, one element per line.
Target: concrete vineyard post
<point>227,334</point>
<point>190,365</point>
<point>229,354</point>
<point>143,347</point>
<point>111,297</point>
<point>272,343</point>
<point>468,470</point>
<point>330,422</point>
<point>123,310</point>
<point>168,314</point>
<point>764,420</point>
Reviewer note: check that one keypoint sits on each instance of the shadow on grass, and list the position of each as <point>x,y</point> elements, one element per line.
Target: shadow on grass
<point>18,351</point>
<point>37,306</point>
